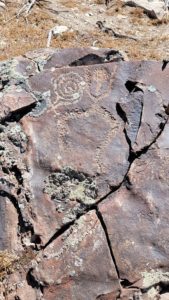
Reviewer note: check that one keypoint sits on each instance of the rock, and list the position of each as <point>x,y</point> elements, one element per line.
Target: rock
<point>90,14</point>
<point>55,32</point>
<point>140,212</point>
<point>3,44</point>
<point>59,29</point>
<point>77,276</point>
<point>154,9</point>
<point>164,296</point>
<point>2,5</point>
<point>70,135</point>
<point>84,175</point>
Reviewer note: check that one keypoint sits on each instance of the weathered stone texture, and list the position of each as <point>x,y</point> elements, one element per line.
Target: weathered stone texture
<point>153,8</point>
<point>84,147</point>
<point>72,263</point>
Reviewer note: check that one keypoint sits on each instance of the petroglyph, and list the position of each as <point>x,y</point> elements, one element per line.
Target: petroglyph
<point>69,88</point>
<point>99,82</point>
<point>76,178</point>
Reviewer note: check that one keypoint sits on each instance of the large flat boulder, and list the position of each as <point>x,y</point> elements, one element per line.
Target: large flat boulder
<point>83,176</point>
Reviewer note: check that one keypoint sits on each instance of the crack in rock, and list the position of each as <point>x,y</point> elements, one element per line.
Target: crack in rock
<point>100,217</point>
<point>78,134</point>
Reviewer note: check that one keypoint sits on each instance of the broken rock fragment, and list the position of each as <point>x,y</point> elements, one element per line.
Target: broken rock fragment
<point>72,263</point>
<point>78,134</point>
<point>153,8</point>
<point>140,212</point>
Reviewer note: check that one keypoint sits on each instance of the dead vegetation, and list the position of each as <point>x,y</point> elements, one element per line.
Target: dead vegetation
<point>10,262</point>
<point>7,261</point>
<point>99,1</point>
<point>17,36</point>
<point>20,35</point>
<point>69,4</point>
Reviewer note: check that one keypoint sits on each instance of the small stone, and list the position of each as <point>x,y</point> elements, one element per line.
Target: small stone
<point>90,14</point>
<point>59,29</point>
<point>152,89</point>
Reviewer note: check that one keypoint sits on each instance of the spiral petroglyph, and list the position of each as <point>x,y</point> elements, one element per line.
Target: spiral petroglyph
<point>68,88</point>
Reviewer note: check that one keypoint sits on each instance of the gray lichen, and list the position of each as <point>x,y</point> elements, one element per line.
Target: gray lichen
<point>70,185</point>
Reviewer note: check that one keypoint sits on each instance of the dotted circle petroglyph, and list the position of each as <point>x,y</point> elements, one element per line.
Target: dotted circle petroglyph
<point>69,88</point>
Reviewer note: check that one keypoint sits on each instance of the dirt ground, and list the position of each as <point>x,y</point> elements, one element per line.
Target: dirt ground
<point>18,36</point>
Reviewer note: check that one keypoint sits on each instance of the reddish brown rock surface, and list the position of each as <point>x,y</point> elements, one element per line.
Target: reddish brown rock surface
<point>84,147</point>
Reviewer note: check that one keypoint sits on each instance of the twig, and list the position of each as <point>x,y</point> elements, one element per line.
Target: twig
<point>50,34</point>
<point>25,9</point>
<point>112,32</point>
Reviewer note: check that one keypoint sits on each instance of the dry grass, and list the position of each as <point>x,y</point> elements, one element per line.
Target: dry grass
<point>137,12</point>
<point>136,50</point>
<point>9,262</point>
<point>69,3</point>
<point>156,22</point>
<point>74,4</point>
<point>115,7</point>
<point>137,16</point>
<point>18,37</point>
<point>99,1</point>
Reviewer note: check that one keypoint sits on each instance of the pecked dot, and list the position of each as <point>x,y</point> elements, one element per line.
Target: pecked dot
<point>82,83</point>
<point>76,96</point>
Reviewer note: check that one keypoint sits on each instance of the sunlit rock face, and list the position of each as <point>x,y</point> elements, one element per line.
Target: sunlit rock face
<point>84,148</point>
